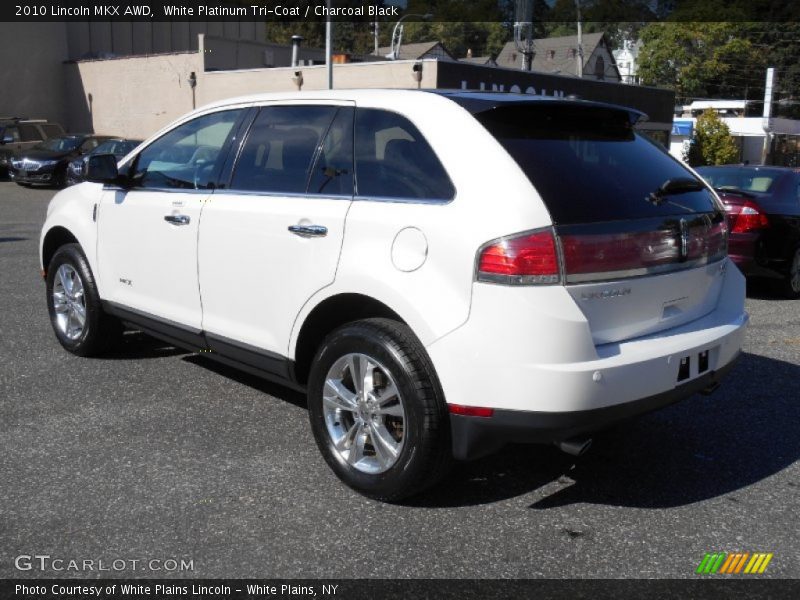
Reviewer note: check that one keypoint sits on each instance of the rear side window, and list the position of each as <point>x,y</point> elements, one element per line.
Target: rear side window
<point>393,160</point>
<point>280,149</point>
<point>589,165</point>
<point>333,171</point>
<point>52,129</point>
<point>29,133</point>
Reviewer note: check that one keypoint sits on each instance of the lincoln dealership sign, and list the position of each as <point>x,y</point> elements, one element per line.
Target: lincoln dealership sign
<point>657,104</point>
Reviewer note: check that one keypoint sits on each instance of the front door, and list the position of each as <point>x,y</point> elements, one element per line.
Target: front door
<point>147,231</point>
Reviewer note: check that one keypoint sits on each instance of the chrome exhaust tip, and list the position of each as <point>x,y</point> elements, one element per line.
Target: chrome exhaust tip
<point>574,446</point>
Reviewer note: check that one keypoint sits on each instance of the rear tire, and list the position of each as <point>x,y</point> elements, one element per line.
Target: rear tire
<point>387,437</point>
<point>790,284</point>
<point>73,303</point>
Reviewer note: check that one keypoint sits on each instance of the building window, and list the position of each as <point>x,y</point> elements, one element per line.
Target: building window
<point>600,68</point>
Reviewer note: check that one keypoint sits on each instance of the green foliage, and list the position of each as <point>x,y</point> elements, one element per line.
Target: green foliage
<point>482,38</point>
<point>699,59</point>
<point>713,143</point>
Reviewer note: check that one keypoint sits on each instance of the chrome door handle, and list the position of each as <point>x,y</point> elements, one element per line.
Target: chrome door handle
<point>309,230</point>
<point>177,219</point>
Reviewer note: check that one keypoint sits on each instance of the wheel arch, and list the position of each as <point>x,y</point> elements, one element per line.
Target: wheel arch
<point>329,314</point>
<point>55,237</point>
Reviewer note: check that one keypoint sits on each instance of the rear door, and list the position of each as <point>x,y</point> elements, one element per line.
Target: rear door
<point>272,238</point>
<point>636,260</point>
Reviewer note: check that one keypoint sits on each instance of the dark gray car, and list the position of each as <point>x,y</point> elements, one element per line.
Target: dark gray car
<point>18,135</point>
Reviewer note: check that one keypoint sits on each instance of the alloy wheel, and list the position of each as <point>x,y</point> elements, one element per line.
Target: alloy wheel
<point>364,413</point>
<point>69,302</point>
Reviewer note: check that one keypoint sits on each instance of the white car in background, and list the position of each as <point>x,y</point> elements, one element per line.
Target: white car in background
<point>441,272</point>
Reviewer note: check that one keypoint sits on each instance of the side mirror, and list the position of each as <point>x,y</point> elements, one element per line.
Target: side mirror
<point>102,168</point>
<point>6,139</point>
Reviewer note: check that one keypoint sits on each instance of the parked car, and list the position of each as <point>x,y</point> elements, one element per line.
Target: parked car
<point>119,147</point>
<point>763,205</point>
<point>46,163</point>
<point>18,134</point>
<point>441,273</point>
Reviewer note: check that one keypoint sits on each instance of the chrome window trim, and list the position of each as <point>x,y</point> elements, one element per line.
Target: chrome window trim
<point>399,200</point>
<point>117,188</point>
<point>231,192</point>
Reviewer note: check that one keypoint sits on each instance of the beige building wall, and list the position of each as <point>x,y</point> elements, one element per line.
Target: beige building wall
<point>33,87</point>
<point>137,95</point>
<point>218,85</point>
<point>130,97</point>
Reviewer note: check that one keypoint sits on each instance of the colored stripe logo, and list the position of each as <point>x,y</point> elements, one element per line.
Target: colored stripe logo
<point>734,563</point>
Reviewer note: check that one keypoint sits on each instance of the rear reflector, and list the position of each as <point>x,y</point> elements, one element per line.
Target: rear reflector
<point>604,251</point>
<point>470,411</point>
<point>525,258</point>
<point>601,253</point>
<point>597,256</point>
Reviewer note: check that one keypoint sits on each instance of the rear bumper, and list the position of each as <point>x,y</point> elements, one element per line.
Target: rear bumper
<point>529,355</point>
<point>474,437</point>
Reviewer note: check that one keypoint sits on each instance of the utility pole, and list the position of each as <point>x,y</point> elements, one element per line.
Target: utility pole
<point>523,31</point>
<point>375,34</point>
<point>329,47</point>
<point>579,54</point>
<point>765,121</point>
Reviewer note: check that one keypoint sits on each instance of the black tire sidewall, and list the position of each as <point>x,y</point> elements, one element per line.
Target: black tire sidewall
<point>405,472</point>
<point>788,291</point>
<point>87,342</point>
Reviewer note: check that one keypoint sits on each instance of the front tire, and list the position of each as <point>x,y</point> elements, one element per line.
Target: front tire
<point>73,303</point>
<point>377,410</point>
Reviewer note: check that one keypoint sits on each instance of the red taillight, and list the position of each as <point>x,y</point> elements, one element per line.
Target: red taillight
<point>470,411</point>
<point>525,258</point>
<point>747,217</point>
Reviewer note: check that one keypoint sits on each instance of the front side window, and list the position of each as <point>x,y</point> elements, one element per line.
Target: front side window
<point>11,132</point>
<point>189,156</point>
<point>280,149</point>
<point>393,160</point>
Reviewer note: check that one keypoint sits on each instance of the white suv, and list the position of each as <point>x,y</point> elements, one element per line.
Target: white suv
<point>442,272</point>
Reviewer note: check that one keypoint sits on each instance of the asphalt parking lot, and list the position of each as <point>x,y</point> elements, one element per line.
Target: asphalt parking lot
<point>154,453</point>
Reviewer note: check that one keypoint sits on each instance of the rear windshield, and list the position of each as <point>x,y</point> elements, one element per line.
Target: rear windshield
<point>589,165</point>
<point>744,179</point>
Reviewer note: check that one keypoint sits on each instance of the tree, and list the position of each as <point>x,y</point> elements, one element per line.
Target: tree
<point>700,59</point>
<point>713,143</point>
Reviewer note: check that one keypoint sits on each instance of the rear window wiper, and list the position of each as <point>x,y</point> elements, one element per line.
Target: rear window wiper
<point>670,187</point>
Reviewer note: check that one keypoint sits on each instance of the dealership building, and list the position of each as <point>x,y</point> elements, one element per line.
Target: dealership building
<point>131,79</point>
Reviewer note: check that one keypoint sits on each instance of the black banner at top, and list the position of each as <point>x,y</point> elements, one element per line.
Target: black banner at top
<point>543,11</point>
